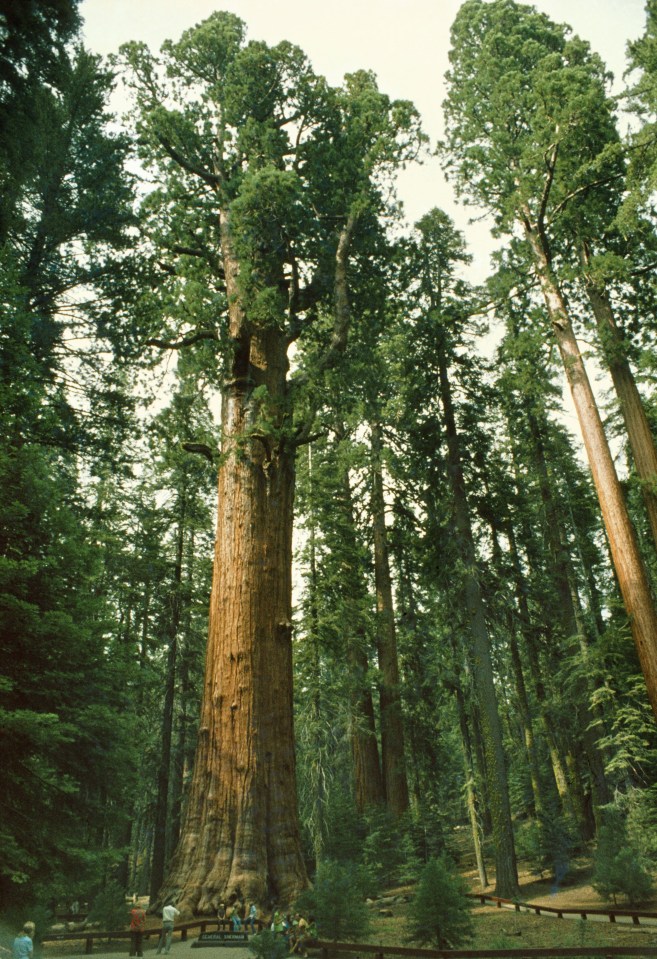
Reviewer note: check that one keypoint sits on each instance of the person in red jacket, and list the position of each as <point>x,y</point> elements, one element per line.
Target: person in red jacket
<point>137,926</point>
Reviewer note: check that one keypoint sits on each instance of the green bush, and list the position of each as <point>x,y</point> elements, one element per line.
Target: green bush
<point>267,945</point>
<point>344,829</point>
<point>440,912</point>
<point>618,867</point>
<point>641,807</point>
<point>109,908</point>
<point>337,902</point>
<point>388,850</point>
<point>547,844</point>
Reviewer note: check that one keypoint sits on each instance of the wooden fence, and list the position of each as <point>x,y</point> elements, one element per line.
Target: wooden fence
<point>91,936</point>
<point>612,914</point>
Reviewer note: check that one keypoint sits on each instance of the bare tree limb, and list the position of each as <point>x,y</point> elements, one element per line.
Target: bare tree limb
<point>185,341</point>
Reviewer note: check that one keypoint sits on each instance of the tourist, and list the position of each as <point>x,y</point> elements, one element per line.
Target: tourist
<point>169,914</point>
<point>23,946</point>
<point>137,926</point>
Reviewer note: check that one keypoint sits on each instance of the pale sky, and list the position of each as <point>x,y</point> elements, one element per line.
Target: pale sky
<point>405,43</point>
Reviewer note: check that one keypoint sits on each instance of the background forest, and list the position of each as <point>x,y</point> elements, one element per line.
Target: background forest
<point>474,636</point>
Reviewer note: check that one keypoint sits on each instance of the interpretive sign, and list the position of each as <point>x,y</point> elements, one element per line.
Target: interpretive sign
<point>221,938</point>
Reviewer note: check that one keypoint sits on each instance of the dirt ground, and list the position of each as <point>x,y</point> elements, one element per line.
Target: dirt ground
<point>504,928</point>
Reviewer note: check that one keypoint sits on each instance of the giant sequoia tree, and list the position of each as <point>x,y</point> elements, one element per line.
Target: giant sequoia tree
<point>526,126</point>
<point>264,174</point>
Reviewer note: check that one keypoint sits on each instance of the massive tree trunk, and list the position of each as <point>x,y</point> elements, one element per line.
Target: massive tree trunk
<point>392,729</point>
<point>241,829</point>
<point>630,570</point>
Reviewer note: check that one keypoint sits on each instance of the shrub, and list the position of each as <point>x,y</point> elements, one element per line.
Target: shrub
<point>642,821</point>
<point>337,902</point>
<point>547,844</point>
<point>618,868</point>
<point>109,908</point>
<point>440,912</point>
<point>388,851</point>
<point>267,945</point>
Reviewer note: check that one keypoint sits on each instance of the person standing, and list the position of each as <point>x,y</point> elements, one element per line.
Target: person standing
<point>23,947</point>
<point>169,914</point>
<point>137,926</point>
<point>252,917</point>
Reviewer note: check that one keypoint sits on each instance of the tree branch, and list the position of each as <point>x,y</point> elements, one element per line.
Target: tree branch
<point>210,178</point>
<point>582,189</point>
<point>185,341</point>
<point>201,449</point>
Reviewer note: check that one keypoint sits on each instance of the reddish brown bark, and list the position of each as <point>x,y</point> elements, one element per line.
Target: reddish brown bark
<point>241,826</point>
<point>368,782</point>
<point>638,430</point>
<point>630,570</point>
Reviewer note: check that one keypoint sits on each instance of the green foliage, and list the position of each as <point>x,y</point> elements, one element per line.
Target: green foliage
<point>642,174</point>
<point>337,902</point>
<point>622,874</point>
<point>547,843</point>
<point>641,807</point>
<point>440,912</point>
<point>109,907</point>
<point>268,945</point>
<point>388,849</point>
<point>619,869</point>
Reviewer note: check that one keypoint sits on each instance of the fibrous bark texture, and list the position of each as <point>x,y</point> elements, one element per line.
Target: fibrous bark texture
<point>241,830</point>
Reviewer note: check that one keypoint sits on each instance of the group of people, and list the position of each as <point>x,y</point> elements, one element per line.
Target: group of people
<point>236,917</point>
<point>296,930</point>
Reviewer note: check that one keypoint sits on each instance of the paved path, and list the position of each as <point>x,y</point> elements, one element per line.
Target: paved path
<point>179,950</point>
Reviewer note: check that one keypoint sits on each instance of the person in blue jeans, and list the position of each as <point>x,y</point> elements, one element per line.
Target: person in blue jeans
<point>169,914</point>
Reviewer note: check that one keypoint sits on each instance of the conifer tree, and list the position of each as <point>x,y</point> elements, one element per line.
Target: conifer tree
<point>520,150</point>
<point>255,138</point>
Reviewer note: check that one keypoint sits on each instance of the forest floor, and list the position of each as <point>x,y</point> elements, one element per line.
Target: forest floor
<point>493,928</point>
<point>506,928</point>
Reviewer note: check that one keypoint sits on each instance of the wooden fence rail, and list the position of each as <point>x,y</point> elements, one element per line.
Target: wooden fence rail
<point>89,936</point>
<point>612,914</point>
